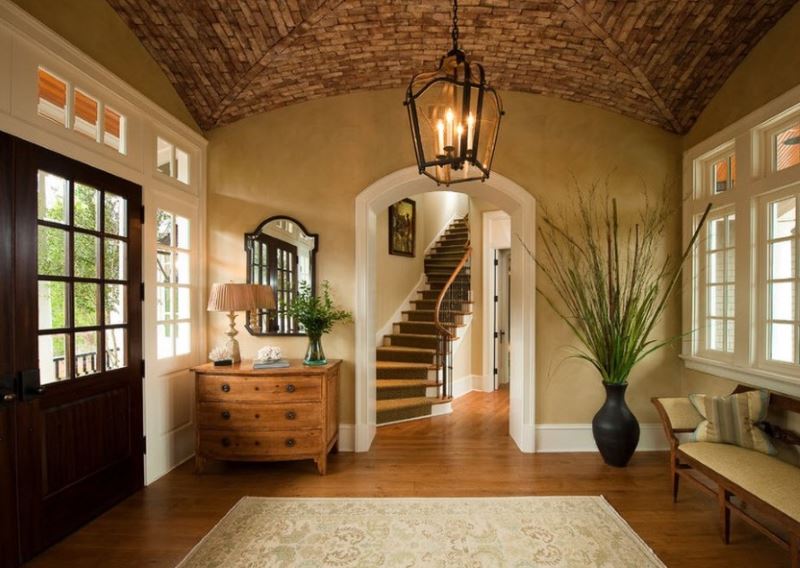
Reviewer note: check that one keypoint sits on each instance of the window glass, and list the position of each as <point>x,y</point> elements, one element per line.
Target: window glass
<point>182,163</point>
<point>781,292</point>
<point>52,97</point>
<point>723,173</point>
<point>720,293</point>
<point>164,157</point>
<point>787,148</point>
<point>86,111</point>
<point>114,129</point>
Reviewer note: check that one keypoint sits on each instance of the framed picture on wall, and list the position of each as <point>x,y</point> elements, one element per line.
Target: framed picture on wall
<point>403,228</point>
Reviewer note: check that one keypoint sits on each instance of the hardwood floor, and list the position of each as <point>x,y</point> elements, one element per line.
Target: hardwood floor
<point>466,453</point>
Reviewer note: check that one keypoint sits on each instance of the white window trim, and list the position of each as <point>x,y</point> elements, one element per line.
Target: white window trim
<point>751,136</point>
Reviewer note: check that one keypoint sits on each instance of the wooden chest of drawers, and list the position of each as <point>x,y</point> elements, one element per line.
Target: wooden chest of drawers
<point>267,415</point>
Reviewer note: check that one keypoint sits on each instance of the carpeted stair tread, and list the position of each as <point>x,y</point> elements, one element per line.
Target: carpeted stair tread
<point>394,365</point>
<point>405,383</point>
<point>402,403</point>
<point>402,349</point>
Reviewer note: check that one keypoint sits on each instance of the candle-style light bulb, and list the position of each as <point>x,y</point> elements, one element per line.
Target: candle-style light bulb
<point>440,132</point>
<point>448,116</point>
<point>470,130</point>
<point>459,133</point>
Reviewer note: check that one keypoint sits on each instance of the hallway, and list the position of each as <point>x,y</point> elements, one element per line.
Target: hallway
<point>467,453</point>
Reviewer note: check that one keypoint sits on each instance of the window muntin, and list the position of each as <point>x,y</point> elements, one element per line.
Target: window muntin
<point>173,285</point>
<point>787,148</point>
<point>719,285</point>
<point>82,306</point>
<point>782,319</point>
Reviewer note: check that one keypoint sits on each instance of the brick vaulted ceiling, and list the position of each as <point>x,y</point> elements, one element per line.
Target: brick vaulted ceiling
<point>659,61</point>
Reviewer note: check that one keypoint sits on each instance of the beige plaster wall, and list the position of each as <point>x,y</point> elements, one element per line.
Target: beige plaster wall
<point>311,160</point>
<point>95,28</point>
<point>769,70</point>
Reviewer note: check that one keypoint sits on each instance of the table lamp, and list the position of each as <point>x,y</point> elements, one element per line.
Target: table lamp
<point>232,297</point>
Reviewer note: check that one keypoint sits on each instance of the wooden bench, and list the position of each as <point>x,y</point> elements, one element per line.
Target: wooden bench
<point>763,490</point>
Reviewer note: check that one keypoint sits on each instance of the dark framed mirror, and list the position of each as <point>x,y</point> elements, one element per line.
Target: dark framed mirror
<point>281,253</point>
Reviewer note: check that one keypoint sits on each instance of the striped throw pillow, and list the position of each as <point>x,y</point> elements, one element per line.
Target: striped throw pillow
<point>731,420</point>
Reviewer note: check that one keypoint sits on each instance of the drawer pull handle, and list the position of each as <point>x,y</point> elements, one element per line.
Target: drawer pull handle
<point>290,442</point>
<point>226,415</point>
<point>291,415</point>
<point>226,442</point>
<point>290,388</point>
<point>226,388</point>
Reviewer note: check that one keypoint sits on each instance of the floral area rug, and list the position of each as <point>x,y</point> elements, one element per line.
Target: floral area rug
<point>515,532</point>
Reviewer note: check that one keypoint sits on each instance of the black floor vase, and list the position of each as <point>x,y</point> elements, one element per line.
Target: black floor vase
<point>615,428</point>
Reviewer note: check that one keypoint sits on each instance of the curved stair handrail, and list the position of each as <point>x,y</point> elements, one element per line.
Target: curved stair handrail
<point>440,298</point>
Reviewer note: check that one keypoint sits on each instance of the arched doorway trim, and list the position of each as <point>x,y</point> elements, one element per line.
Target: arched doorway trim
<point>506,195</point>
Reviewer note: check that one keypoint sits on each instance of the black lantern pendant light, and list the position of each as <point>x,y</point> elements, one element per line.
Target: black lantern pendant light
<point>454,116</point>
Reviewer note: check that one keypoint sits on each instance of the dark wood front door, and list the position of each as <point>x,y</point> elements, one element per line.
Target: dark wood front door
<point>77,355</point>
<point>8,497</point>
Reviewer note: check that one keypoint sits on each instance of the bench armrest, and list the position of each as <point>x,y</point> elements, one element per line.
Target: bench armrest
<point>677,415</point>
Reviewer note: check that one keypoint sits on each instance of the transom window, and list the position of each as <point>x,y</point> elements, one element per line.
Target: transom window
<point>72,107</point>
<point>172,161</point>
<point>720,288</point>
<point>82,279</point>
<point>173,285</point>
<point>782,278</point>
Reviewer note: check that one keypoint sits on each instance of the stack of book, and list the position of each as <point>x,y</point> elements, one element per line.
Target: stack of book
<point>270,363</point>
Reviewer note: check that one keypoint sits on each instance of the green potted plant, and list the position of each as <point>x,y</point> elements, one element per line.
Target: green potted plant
<point>611,287</point>
<point>317,315</point>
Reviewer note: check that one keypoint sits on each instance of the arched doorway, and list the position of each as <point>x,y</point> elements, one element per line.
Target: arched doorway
<point>521,206</point>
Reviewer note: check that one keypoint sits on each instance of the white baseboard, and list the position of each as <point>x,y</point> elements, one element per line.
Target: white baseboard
<point>578,438</point>
<point>347,437</point>
<point>471,383</point>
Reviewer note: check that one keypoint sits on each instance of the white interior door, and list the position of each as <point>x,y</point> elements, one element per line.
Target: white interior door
<point>502,317</point>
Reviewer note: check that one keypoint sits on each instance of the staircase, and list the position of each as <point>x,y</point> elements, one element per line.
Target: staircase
<point>413,366</point>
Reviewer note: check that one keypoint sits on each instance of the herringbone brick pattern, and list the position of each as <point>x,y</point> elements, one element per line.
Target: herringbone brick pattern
<point>659,61</point>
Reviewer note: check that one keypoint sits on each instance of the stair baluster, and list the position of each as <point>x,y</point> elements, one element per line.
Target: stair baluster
<point>449,304</point>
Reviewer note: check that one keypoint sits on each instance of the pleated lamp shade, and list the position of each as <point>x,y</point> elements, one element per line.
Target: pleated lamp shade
<point>264,297</point>
<point>231,297</point>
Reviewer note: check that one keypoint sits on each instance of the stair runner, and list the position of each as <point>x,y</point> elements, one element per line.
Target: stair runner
<point>406,363</point>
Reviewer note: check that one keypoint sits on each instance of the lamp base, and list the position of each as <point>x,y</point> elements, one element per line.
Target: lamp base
<point>232,344</point>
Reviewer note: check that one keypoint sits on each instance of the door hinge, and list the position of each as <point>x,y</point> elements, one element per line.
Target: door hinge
<point>142,368</point>
<point>496,262</point>
<point>141,291</point>
<point>142,215</point>
<point>497,298</point>
<point>144,444</point>
<point>496,335</point>
<point>495,371</point>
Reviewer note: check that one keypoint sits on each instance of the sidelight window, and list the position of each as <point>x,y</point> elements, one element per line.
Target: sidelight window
<point>173,285</point>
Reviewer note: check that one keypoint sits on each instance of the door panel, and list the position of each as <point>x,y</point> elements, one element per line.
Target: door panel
<point>78,326</point>
<point>8,501</point>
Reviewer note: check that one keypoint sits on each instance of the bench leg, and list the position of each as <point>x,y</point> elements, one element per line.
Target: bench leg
<point>676,479</point>
<point>794,550</point>
<point>724,515</point>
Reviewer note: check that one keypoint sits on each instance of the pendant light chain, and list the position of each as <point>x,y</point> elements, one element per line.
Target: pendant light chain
<point>455,24</point>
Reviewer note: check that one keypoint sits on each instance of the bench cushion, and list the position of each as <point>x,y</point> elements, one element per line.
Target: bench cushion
<point>770,479</point>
